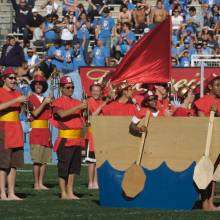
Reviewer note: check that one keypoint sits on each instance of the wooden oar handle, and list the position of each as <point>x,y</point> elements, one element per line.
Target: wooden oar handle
<point>143,136</point>
<point>209,134</point>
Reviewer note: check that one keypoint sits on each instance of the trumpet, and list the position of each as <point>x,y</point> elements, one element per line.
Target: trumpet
<point>27,108</point>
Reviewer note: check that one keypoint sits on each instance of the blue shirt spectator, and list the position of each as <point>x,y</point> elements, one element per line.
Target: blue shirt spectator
<point>100,54</point>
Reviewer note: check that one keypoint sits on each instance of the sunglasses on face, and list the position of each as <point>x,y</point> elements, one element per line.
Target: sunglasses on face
<point>12,77</point>
<point>69,87</point>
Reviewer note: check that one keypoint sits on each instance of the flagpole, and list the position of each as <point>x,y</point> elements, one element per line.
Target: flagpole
<point>202,79</point>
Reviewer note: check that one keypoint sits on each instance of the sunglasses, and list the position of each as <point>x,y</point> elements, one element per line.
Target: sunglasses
<point>12,77</point>
<point>69,87</point>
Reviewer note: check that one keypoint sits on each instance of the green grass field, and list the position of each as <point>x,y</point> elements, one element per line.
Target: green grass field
<point>47,205</point>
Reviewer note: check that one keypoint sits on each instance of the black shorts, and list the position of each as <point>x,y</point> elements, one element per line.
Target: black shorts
<point>10,158</point>
<point>69,160</point>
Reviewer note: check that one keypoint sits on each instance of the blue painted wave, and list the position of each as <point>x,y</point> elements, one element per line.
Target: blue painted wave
<point>164,188</point>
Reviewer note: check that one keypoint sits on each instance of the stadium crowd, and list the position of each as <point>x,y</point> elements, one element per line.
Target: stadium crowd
<point>66,41</point>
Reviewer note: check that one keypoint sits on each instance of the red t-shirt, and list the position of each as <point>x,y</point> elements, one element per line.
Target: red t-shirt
<point>74,121</point>
<point>163,105</point>
<point>205,103</point>
<point>92,105</point>
<point>116,108</point>
<point>13,132</point>
<point>40,135</point>
<point>184,112</point>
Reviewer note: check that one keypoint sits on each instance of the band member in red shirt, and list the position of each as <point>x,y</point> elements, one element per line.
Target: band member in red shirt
<point>68,114</point>
<point>40,138</point>
<point>149,103</point>
<point>11,149</point>
<point>123,105</point>
<point>204,105</point>
<point>95,105</point>
<point>187,97</point>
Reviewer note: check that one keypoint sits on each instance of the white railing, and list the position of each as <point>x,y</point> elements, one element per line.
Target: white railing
<point>208,60</point>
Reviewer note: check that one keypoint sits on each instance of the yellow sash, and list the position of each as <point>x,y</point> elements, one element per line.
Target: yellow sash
<point>89,129</point>
<point>11,116</point>
<point>70,133</point>
<point>39,124</point>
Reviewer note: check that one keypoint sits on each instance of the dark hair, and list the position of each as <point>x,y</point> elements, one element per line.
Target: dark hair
<point>213,80</point>
<point>192,8</point>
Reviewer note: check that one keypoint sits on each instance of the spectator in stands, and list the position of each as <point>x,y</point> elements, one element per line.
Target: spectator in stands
<point>212,41</point>
<point>73,58</point>
<point>194,22</point>
<point>94,7</point>
<point>80,10</point>
<point>187,46</point>
<point>199,49</point>
<point>185,59</point>
<point>83,27</point>
<point>124,14</point>
<point>12,53</point>
<point>217,27</point>
<point>206,14</point>
<point>34,21</point>
<point>69,5</point>
<point>126,40</point>
<point>158,14</point>
<point>177,19</point>
<point>55,54</point>
<point>32,59</point>
<point>174,62</point>
<point>51,7</point>
<point>67,29</point>
<point>205,49</point>
<point>140,15</point>
<point>49,30</point>
<point>22,14</point>
<point>215,16</point>
<point>105,29</point>
<point>67,54</point>
<point>38,36</point>
<point>129,5</point>
<point>78,54</point>
<point>100,54</point>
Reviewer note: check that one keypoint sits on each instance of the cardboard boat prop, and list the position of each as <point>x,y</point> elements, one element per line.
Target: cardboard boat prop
<point>172,148</point>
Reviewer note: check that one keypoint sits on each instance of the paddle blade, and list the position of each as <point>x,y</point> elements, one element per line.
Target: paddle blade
<point>133,181</point>
<point>203,172</point>
<point>216,176</point>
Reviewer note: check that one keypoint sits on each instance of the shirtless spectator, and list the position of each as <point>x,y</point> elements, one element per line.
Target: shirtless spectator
<point>159,13</point>
<point>124,14</point>
<point>140,16</point>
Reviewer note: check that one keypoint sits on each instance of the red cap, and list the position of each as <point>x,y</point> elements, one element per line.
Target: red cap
<point>8,71</point>
<point>39,78</point>
<point>65,80</point>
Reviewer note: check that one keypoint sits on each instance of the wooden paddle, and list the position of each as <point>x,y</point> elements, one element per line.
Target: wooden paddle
<point>203,172</point>
<point>134,178</point>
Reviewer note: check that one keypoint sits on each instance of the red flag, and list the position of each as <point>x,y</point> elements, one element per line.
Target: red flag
<point>149,61</point>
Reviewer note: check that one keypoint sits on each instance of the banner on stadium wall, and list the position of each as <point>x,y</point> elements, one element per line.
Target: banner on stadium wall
<point>90,74</point>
